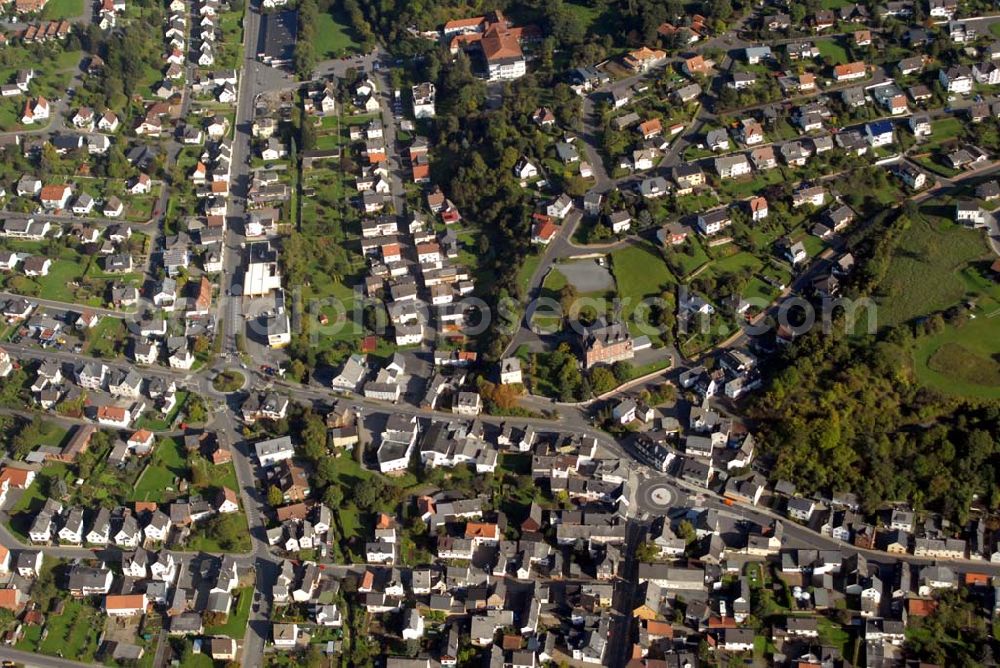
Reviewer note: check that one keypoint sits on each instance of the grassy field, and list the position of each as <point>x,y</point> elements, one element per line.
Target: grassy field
<point>33,497</point>
<point>169,462</point>
<point>938,265</point>
<point>688,257</point>
<point>832,52</point>
<point>925,276</point>
<point>70,635</point>
<point>236,626</point>
<point>543,320</point>
<point>962,360</point>
<point>745,187</point>
<point>52,434</point>
<point>640,273</point>
<point>62,9</point>
<point>108,335</point>
<point>943,131</point>
<point>333,36</point>
<point>531,262</point>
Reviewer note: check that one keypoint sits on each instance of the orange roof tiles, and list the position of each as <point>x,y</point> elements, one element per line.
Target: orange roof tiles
<point>116,413</point>
<point>10,599</point>
<point>16,477</point>
<point>53,192</point>
<point>125,601</point>
<point>481,530</point>
<point>848,69</point>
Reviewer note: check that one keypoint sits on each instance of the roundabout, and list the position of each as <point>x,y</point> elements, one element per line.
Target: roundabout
<point>656,496</point>
<point>226,382</point>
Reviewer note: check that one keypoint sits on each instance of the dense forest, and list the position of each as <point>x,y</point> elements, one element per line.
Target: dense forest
<point>844,413</point>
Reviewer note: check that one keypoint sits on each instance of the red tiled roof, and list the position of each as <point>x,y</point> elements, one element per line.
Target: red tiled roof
<point>16,477</point>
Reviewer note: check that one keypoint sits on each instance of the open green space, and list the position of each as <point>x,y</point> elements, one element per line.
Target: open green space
<point>583,13</point>
<point>943,131</point>
<point>51,433</point>
<point>935,164</point>
<point>687,257</point>
<point>333,38</point>
<point>72,276</point>
<point>924,274</point>
<point>34,497</point>
<point>527,270</point>
<point>71,635</point>
<point>640,273</point>
<point>938,265</point>
<point>962,360</point>
<point>62,9</point>
<point>831,51</point>
<point>168,463</point>
<point>833,635</point>
<point>744,187</point>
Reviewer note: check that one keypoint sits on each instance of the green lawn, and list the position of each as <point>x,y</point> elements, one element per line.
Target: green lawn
<point>688,257</point>
<point>72,634</point>
<point>236,626</point>
<point>938,265</point>
<point>936,166</point>
<point>832,634</point>
<point>169,461</point>
<point>736,262</point>
<point>943,130</point>
<point>350,523</point>
<point>962,360</point>
<point>759,291</point>
<point>744,187</point>
<point>52,434</point>
<point>640,273</point>
<point>33,497</point>
<point>528,267</point>
<point>62,9</point>
<point>107,336</point>
<point>832,52</point>
<point>53,286</point>
<point>924,275</point>
<point>333,36</point>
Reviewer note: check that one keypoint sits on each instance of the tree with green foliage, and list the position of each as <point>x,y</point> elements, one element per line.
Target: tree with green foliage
<point>602,380</point>
<point>954,634</point>
<point>623,371</point>
<point>226,529</point>
<point>333,496</point>
<point>371,494</point>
